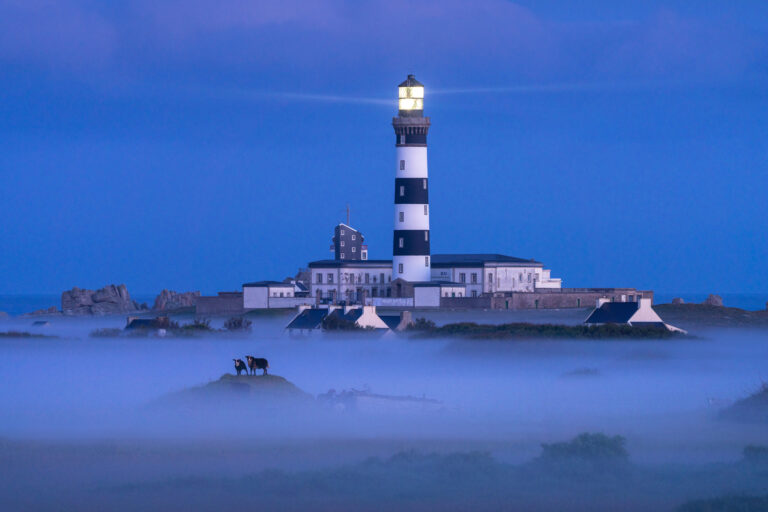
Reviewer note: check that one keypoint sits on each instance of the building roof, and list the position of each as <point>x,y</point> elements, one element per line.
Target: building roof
<point>349,263</point>
<point>267,284</point>
<point>342,225</point>
<point>411,82</point>
<point>613,313</point>
<point>435,284</point>
<point>308,319</point>
<point>392,321</point>
<point>477,260</point>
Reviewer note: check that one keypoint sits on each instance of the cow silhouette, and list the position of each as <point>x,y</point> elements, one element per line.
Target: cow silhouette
<point>240,366</point>
<point>257,363</point>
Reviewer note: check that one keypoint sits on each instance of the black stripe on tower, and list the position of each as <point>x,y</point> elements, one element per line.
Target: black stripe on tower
<point>415,242</point>
<point>411,191</point>
<point>416,139</point>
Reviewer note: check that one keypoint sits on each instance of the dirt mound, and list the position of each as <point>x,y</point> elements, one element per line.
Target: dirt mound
<point>753,408</point>
<point>238,390</point>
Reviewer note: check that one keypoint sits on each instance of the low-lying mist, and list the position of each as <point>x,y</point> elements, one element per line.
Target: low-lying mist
<point>100,405</point>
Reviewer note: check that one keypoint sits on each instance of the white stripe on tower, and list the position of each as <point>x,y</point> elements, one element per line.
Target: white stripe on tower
<point>411,242</point>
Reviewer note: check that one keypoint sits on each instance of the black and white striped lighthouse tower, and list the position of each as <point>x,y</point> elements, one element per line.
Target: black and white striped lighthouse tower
<point>410,252</point>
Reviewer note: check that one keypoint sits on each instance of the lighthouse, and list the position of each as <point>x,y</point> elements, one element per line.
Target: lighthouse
<point>410,250</point>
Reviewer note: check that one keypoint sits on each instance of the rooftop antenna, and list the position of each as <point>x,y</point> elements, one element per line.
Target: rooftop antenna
<point>347,214</point>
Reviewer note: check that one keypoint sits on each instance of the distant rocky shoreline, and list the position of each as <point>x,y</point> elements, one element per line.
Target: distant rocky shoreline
<point>114,300</point>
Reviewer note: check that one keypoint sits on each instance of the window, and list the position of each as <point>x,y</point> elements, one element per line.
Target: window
<point>342,232</point>
<point>354,237</point>
<point>402,190</point>
<point>462,277</point>
<point>529,278</point>
<point>426,209</point>
<point>474,278</point>
<point>342,243</point>
<point>389,280</point>
<point>402,139</point>
<point>281,294</point>
<point>319,278</point>
<point>359,278</point>
<point>474,293</point>
<point>341,255</point>
<point>400,266</point>
<point>402,216</point>
<point>490,279</point>
<point>381,277</point>
<point>424,182</point>
<point>330,278</point>
<point>402,165</point>
<point>354,249</point>
<point>368,278</point>
<point>426,236</point>
<point>401,242</point>
<point>426,261</point>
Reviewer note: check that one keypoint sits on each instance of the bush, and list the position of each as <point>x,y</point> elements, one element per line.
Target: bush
<point>587,446</point>
<point>528,330</point>
<point>202,324</point>
<point>422,324</point>
<point>238,323</point>
<point>106,332</point>
<point>585,454</point>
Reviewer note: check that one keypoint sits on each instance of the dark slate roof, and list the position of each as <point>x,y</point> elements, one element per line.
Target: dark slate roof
<point>411,82</point>
<point>476,260</point>
<point>613,313</point>
<point>354,314</point>
<point>301,286</point>
<point>308,319</point>
<point>348,263</point>
<point>392,321</point>
<point>264,284</point>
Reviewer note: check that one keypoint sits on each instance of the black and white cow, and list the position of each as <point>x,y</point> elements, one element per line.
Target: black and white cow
<point>257,363</point>
<point>240,366</point>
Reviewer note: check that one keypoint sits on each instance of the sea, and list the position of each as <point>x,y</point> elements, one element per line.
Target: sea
<point>16,305</point>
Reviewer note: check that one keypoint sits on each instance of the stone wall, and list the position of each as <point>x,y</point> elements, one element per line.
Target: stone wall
<point>565,298</point>
<point>482,302</point>
<point>221,305</point>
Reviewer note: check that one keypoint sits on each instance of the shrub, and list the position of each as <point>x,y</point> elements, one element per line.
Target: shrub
<point>586,452</point>
<point>202,324</point>
<point>238,323</point>
<point>106,332</point>
<point>422,324</point>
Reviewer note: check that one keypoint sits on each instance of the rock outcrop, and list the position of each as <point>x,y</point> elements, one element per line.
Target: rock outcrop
<point>110,300</point>
<point>169,300</point>
<point>53,310</point>
<point>678,300</point>
<point>713,300</point>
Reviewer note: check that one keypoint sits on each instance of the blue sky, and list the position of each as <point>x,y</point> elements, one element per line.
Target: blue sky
<point>198,145</point>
